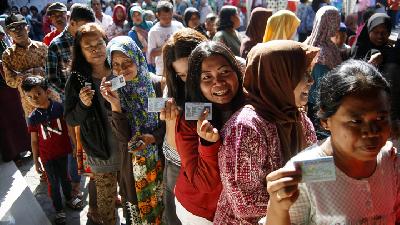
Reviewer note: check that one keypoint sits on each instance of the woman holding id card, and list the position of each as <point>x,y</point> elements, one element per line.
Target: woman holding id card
<point>354,105</point>
<point>137,131</point>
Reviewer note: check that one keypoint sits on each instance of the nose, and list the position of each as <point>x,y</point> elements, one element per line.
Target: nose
<point>370,129</point>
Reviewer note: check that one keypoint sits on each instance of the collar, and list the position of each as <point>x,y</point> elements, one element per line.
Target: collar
<point>32,44</point>
<point>66,33</point>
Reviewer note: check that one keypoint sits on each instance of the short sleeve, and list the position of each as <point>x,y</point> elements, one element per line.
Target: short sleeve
<point>301,210</point>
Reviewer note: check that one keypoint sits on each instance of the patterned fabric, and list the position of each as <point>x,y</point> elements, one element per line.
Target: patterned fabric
<point>306,15</point>
<point>81,157</point>
<point>276,5</point>
<point>326,24</point>
<point>59,60</point>
<point>106,186</point>
<point>147,167</point>
<point>171,154</point>
<point>250,151</point>
<point>373,200</point>
<point>22,61</point>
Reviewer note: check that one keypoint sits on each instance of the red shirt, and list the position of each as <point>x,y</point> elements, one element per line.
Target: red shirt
<point>52,132</point>
<point>198,185</point>
<point>50,36</point>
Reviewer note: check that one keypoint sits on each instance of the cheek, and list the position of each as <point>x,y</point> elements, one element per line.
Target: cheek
<point>205,90</point>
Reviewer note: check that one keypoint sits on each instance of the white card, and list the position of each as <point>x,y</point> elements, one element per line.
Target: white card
<point>117,83</point>
<point>156,104</point>
<point>317,170</point>
<point>88,84</point>
<point>193,110</point>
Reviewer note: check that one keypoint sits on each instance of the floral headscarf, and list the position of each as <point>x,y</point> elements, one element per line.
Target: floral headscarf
<point>326,24</point>
<point>136,92</point>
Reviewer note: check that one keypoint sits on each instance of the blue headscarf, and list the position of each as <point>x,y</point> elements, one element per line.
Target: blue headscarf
<point>136,92</point>
<point>145,26</point>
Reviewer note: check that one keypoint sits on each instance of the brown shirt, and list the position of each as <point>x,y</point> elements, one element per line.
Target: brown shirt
<point>19,62</point>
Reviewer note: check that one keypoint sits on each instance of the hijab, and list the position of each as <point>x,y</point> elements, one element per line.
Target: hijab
<point>363,45</point>
<point>135,93</point>
<point>145,25</point>
<point>281,26</point>
<point>255,29</point>
<point>273,71</point>
<point>121,8</point>
<point>326,24</point>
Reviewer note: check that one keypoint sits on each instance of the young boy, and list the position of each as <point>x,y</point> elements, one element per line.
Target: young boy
<point>50,142</point>
<point>160,33</point>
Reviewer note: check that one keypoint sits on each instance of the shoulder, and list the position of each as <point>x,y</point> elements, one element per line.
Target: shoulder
<point>7,53</point>
<point>175,23</point>
<point>34,118</point>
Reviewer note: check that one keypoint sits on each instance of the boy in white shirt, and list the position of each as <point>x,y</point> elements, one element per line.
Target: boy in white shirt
<point>160,33</point>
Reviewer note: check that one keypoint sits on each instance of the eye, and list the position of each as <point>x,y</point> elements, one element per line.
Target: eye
<point>381,118</point>
<point>356,121</point>
<point>206,77</point>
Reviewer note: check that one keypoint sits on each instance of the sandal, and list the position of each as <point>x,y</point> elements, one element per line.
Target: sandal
<point>60,218</point>
<point>75,204</point>
<point>94,217</point>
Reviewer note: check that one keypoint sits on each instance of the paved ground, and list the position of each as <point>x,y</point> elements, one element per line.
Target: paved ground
<point>39,190</point>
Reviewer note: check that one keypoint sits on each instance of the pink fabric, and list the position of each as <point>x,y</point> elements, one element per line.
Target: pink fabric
<point>251,149</point>
<point>326,24</point>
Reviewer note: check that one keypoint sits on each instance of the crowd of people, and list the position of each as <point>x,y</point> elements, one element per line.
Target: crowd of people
<point>295,86</point>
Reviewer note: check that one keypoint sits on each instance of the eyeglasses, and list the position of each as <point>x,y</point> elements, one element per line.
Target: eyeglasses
<point>17,28</point>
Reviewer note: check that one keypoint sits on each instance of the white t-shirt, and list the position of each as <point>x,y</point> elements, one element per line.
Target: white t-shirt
<point>373,200</point>
<point>105,22</point>
<point>157,36</point>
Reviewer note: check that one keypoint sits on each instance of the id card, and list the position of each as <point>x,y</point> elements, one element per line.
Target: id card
<point>156,104</point>
<point>193,110</point>
<point>317,170</point>
<point>88,84</point>
<point>117,83</point>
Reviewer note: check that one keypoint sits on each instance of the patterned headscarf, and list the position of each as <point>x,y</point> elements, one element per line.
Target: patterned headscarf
<point>326,24</point>
<point>281,26</point>
<point>136,92</point>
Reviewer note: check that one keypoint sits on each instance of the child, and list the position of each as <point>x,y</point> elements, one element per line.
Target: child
<point>211,25</point>
<point>354,106</point>
<point>50,142</point>
<point>160,33</point>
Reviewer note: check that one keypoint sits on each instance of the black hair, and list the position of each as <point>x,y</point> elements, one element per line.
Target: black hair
<point>196,58</point>
<point>33,8</point>
<point>367,14</point>
<point>164,6</point>
<point>178,46</point>
<point>224,19</point>
<point>81,12</point>
<point>79,63</point>
<point>303,1</point>
<point>315,4</point>
<point>351,77</point>
<point>34,81</point>
<point>187,15</point>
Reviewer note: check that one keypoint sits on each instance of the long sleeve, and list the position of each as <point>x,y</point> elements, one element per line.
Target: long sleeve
<point>249,153</point>
<point>52,69</point>
<point>199,162</point>
<point>10,75</point>
<point>120,126</point>
<point>75,111</point>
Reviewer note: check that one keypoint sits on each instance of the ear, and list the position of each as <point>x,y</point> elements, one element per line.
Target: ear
<point>325,123</point>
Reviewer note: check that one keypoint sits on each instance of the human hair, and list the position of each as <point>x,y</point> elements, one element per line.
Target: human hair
<point>187,15</point>
<point>368,13</point>
<point>79,62</point>
<point>33,8</point>
<point>34,81</point>
<point>196,58</point>
<point>303,1</point>
<point>224,19</point>
<point>178,46</point>
<point>164,6</point>
<point>81,12</point>
<point>315,4</point>
<point>351,77</point>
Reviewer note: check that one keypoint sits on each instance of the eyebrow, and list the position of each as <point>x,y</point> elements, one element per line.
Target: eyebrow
<point>355,114</point>
<point>217,68</point>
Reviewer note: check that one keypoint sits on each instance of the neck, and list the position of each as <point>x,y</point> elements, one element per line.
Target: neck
<point>60,29</point>
<point>352,167</point>
<point>46,105</point>
<point>100,71</point>
<point>24,43</point>
<point>99,15</point>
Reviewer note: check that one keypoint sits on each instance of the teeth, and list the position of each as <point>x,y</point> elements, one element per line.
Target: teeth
<point>222,92</point>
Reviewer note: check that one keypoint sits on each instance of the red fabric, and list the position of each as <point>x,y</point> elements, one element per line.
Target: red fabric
<point>198,185</point>
<point>114,16</point>
<point>50,36</point>
<point>55,145</point>
<point>46,27</point>
<point>393,4</point>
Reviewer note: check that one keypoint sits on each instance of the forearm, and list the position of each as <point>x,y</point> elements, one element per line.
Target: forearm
<point>155,52</point>
<point>277,217</point>
<point>11,77</point>
<point>35,150</point>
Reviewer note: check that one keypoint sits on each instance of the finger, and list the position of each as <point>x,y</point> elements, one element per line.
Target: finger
<point>162,114</point>
<point>205,126</point>
<point>203,115</point>
<point>283,172</point>
<point>282,183</point>
<point>286,192</point>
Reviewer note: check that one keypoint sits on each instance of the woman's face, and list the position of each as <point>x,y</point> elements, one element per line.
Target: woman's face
<point>194,21</point>
<point>236,21</point>
<point>302,89</point>
<point>137,18</point>
<point>379,36</point>
<point>218,81</point>
<point>181,68</point>
<point>123,65</point>
<point>94,49</point>
<point>120,14</point>
<point>361,125</point>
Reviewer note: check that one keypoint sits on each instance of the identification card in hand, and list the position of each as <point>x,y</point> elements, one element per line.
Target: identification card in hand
<point>117,83</point>
<point>317,170</point>
<point>156,104</point>
<point>88,84</point>
<point>193,110</point>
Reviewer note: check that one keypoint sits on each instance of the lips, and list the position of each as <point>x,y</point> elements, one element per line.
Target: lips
<point>221,92</point>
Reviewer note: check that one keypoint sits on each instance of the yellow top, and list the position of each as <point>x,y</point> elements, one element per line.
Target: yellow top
<point>281,26</point>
